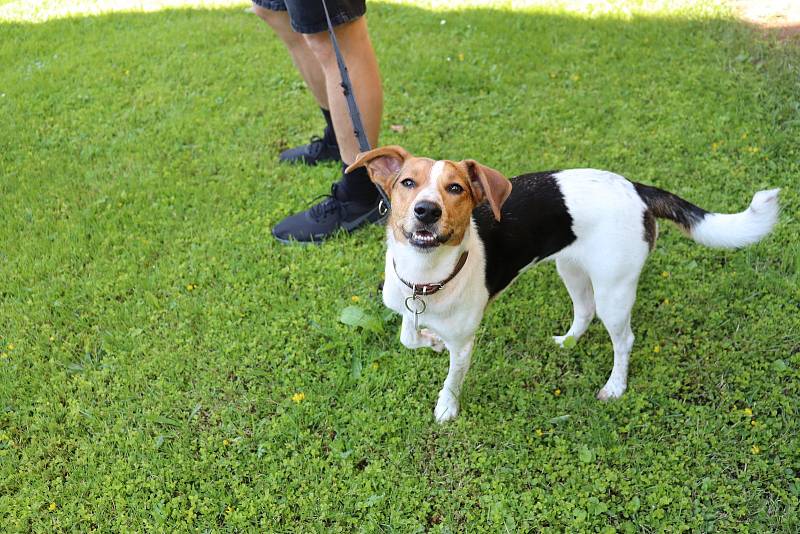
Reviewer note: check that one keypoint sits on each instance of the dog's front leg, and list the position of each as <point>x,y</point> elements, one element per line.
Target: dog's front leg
<point>411,338</point>
<point>460,358</point>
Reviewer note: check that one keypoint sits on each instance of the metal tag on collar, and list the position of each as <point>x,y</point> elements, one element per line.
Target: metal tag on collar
<point>417,308</point>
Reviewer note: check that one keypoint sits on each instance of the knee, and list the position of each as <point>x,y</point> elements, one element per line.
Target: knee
<point>321,47</point>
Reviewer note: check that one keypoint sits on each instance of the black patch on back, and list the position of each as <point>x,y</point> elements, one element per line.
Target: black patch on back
<point>666,205</point>
<point>534,224</point>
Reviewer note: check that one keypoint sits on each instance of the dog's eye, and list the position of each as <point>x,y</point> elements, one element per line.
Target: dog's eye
<point>408,182</point>
<point>455,189</point>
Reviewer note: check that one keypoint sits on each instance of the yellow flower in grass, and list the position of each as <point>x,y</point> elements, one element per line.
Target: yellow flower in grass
<point>657,349</point>
<point>539,433</point>
<point>52,507</point>
<point>557,392</point>
<point>755,449</point>
<point>226,442</point>
<point>355,298</point>
<point>748,412</point>
<point>298,397</point>
<point>229,510</point>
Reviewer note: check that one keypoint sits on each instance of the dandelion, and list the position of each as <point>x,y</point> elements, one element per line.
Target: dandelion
<point>657,349</point>
<point>460,56</point>
<point>298,397</point>
<point>575,77</point>
<point>374,366</point>
<point>714,146</point>
<point>666,301</point>
<point>665,274</point>
<point>52,507</point>
<point>226,442</point>
<point>753,422</point>
<point>11,346</point>
<point>748,412</point>
<point>229,510</point>
<point>539,433</point>
<point>557,392</point>
<point>354,298</point>
<point>755,449</point>
<point>191,287</point>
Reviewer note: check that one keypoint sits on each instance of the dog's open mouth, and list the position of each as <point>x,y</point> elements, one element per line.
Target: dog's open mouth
<point>425,238</point>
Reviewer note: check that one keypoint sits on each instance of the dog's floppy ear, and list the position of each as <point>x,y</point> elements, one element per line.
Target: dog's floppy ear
<point>382,163</point>
<point>488,184</point>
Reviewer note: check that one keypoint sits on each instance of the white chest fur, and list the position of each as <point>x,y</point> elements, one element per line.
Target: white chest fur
<point>454,311</point>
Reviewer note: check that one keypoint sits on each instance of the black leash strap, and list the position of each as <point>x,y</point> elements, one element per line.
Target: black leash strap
<point>352,106</point>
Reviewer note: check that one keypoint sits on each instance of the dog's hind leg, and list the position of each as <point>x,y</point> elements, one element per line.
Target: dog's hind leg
<point>447,404</point>
<point>579,287</point>
<point>614,303</point>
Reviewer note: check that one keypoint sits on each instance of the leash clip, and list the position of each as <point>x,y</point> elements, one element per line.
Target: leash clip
<point>383,209</point>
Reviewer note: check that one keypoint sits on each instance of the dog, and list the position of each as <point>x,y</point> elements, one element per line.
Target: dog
<point>459,233</point>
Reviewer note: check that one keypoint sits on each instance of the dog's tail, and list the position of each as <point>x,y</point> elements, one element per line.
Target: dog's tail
<point>715,229</point>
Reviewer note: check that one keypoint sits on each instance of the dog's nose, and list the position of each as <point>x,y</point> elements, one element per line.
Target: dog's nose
<point>427,212</point>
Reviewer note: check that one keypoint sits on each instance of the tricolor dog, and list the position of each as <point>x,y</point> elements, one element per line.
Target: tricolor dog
<point>459,233</point>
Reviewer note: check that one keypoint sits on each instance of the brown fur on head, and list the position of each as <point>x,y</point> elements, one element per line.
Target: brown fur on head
<point>455,187</point>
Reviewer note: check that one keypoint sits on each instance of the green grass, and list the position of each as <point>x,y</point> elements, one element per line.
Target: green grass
<point>153,334</point>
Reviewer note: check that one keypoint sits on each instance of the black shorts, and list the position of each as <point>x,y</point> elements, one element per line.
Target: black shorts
<point>307,16</point>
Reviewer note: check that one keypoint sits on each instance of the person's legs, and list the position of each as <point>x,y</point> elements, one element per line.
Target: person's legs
<point>324,148</point>
<point>362,66</point>
<point>354,200</point>
<point>302,56</point>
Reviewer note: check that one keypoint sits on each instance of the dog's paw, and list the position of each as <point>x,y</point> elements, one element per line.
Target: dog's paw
<point>612,390</point>
<point>446,407</point>
<point>434,341</point>
<point>565,342</point>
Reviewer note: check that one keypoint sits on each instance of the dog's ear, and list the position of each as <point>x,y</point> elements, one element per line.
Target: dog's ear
<point>382,163</point>
<point>488,184</point>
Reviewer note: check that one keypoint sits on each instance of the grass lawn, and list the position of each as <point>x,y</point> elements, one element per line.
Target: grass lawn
<point>166,365</point>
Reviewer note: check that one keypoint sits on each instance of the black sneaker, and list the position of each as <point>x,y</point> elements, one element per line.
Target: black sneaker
<point>324,219</point>
<point>317,151</point>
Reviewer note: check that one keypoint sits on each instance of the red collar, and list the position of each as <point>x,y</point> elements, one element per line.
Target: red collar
<point>430,289</point>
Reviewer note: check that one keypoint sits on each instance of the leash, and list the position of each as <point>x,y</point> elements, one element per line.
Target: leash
<point>352,106</point>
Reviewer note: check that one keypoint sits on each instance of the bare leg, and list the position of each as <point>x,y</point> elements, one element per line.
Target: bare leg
<point>302,56</point>
<point>447,405</point>
<point>364,75</point>
<point>580,289</point>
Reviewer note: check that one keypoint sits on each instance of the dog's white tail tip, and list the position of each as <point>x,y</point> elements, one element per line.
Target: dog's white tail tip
<point>765,201</point>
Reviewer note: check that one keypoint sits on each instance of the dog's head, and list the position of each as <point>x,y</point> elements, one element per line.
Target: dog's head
<point>432,201</point>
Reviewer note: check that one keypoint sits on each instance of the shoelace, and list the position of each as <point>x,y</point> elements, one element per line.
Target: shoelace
<point>329,205</point>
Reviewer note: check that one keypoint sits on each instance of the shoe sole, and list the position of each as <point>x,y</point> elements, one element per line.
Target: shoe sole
<point>347,228</point>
